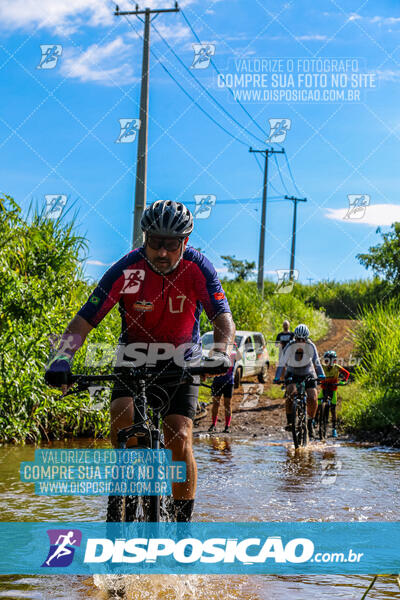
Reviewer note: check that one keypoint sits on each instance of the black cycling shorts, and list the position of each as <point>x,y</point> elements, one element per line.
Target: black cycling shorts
<point>310,383</point>
<point>222,389</point>
<point>174,399</point>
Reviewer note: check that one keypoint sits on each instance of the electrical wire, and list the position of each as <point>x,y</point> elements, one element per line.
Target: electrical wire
<point>291,175</point>
<point>221,75</point>
<point>205,89</point>
<point>186,92</point>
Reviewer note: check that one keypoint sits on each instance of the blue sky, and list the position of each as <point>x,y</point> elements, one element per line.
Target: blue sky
<point>59,126</point>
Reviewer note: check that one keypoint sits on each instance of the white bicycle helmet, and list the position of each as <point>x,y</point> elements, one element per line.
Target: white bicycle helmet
<point>302,331</point>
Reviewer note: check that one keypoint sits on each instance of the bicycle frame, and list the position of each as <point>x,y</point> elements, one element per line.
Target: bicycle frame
<point>146,430</point>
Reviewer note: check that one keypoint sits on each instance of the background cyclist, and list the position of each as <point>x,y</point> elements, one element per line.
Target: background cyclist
<point>299,361</point>
<point>335,375</point>
<point>161,289</point>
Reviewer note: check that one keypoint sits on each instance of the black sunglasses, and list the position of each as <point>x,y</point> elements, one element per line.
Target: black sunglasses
<point>170,244</point>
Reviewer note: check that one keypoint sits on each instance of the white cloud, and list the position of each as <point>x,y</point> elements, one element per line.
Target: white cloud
<point>389,75</point>
<point>64,17</point>
<point>172,32</point>
<point>311,38</point>
<point>98,63</point>
<point>222,270</point>
<point>375,214</point>
<point>378,19</point>
<point>98,263</point>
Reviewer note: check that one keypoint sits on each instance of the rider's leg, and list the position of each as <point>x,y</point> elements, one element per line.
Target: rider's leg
<point>178,438</point>
<point>312,403</point>
<point>215,409</point>
<point>320,396</point>
<point>228,404</point>
<point>121,413</point>
<point>333,411</point>
<point>228,410</point>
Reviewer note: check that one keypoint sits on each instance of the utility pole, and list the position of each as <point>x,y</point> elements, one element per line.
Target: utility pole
<point>141,163</point>
<point>293,251</point>
<point>261,253</point>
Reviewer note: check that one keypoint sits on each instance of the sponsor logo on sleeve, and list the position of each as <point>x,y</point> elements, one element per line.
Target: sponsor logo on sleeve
<point>219,295</point>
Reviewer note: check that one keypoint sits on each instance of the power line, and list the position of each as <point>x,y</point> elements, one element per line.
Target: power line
<point>260,276</point>
<point>221,75</point>
<point>270,183</point>
<point>280,174</point>
<point>187,93</point>
<point>205,89</point>
<point>291,174</point>
<point>234,200</point>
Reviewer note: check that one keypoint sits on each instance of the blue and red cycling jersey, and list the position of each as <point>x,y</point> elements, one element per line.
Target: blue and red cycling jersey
<point>156,307</point>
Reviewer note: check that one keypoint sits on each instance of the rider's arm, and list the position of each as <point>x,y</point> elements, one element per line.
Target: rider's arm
<point>282,363</point>
<point>212,297</point>
<point>316,362</point>
<point>344,373</point>
<point>73,337</point>
<point>224,332</point>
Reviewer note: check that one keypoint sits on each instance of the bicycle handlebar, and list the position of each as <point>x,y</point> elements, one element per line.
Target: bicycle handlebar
<point>207,366</point>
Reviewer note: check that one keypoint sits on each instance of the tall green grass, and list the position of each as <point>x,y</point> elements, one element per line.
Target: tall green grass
<point>344,300</point>
<point>372,403</point>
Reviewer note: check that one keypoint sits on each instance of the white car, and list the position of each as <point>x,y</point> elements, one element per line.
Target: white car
<point>253,355</point>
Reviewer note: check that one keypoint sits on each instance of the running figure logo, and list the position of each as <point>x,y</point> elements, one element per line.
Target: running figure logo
<point>357,206</point>
<point>54,205</point>
<point>278,130</point>
<point>129,129</point>
<point>133,279</point>
<point>285,281</point>
<point>50,55</point>
<point>62,542</point>
<point>204,204</point>
<point>202,55</point>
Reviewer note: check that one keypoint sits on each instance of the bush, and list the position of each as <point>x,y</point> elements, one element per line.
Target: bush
<point>41,289</point>
<point>372,403</point>
<point>343,300</point>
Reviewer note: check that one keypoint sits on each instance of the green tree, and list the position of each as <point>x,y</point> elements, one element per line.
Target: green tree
<point>240,268</point>
<point>384,258</point>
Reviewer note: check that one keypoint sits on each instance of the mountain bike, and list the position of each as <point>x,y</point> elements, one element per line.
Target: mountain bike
<point>146,428</point>
<point>324,409</point>
<point>299,412</point>
<point>323,413</point>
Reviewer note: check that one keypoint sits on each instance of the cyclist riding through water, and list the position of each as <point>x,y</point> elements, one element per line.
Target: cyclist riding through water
<point>161,288</point>
<point>335,375</point>
<point>299,361</point>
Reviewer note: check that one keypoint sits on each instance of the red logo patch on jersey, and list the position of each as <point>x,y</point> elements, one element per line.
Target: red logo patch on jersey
<point>143,306</point>
<point>219,295</point>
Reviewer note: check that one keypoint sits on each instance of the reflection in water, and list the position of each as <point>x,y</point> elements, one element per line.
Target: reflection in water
<point>222,446</point>
<point>298,470</point>
<point>239,480</point>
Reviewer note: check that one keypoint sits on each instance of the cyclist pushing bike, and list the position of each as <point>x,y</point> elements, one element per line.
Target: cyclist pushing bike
<point>335,375</point>
<point>161,288</point>
<point>300,362</point>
